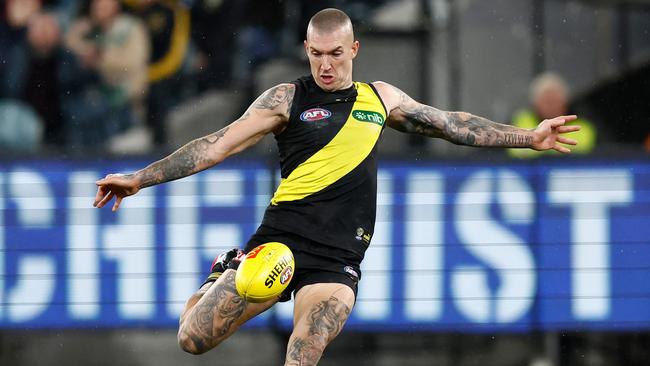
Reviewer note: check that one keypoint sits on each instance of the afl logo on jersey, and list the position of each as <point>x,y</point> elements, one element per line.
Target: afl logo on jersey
<point>315,114</point>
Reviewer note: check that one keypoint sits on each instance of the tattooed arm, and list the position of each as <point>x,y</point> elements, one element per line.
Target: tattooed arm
<point>407,115</point>
<point>269,113</point>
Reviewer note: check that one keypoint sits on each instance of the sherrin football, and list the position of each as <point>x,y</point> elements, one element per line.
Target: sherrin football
<point>265,272</point>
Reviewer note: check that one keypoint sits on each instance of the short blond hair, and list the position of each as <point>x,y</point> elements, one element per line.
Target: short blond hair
<point>329,20</point>
<point>547,81</point>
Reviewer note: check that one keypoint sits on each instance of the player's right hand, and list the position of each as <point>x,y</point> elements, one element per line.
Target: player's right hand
<point>224,261</point>
<point>115,185</point>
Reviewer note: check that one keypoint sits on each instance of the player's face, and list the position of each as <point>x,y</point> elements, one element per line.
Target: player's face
<point>330,57</point>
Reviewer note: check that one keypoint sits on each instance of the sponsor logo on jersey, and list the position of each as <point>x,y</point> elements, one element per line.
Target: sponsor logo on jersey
<point>360,232</point>
<point>368,116</point>
<point>315,114</point>
<point>276,271</point>
<point>286,275</point>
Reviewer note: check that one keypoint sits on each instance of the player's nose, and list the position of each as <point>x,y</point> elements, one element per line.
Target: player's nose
<point>326,65</point>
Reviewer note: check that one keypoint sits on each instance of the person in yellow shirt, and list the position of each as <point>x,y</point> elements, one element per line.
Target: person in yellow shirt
<point>549,96</point>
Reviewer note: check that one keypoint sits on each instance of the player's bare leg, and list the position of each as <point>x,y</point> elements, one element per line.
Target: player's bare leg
<point>216,311</point>
<point>320,310</point>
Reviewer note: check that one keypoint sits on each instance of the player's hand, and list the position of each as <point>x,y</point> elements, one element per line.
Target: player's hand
<point>548,134</point>
<point>115,185</point>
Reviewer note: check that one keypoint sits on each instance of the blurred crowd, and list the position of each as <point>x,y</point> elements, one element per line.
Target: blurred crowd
<point>77,75</point>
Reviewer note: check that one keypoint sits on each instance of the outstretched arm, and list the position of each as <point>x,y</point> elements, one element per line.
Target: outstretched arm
<point>269,113</point>
<point>407,115</point>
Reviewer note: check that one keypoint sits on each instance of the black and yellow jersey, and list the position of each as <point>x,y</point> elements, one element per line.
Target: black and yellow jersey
<point>327,153</point>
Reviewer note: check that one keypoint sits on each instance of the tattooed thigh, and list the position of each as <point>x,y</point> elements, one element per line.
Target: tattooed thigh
<point>318,325</point>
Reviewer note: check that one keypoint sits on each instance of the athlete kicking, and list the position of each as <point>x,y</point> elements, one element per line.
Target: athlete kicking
<point>327,127</point>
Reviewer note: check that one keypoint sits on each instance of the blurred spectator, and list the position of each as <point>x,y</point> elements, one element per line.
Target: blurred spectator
<point>105,80</point>
<point>15,15</point>
<point>20,128</point>
<point>549,98</point>
<point>168,23</point>
<point>258,38</point>
<point>31,73</point>
<point>214,28</point>
<point>18,12</point>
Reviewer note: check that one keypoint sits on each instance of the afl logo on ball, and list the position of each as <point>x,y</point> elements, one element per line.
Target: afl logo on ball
<point>315,114</point>
<point>286,275</point>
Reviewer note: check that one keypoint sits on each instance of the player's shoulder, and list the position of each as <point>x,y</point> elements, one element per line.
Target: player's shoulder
<point>386,90</point>
<point>278,94</point>
<point>389,94</point>
<point>378,84</point>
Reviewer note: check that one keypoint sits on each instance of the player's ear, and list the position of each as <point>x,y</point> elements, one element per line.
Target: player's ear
<point>306,47</point>
<point>355,48</point>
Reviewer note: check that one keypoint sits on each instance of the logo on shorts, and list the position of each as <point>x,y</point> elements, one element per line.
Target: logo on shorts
<point>351,271</point>
<point>315,114</point>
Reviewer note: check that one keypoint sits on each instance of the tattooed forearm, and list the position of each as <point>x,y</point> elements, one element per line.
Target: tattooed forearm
<point>276,96</point>
<point>213,316</point>
<point>326,320</point>
<point>458,127</point>
<point>189,159</point>
<point>467,129</point>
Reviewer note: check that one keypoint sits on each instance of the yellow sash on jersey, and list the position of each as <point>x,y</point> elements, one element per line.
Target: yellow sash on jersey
<point>351,145</point>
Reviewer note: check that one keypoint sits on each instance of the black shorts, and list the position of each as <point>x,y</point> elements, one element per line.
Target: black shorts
<point>315,262</point>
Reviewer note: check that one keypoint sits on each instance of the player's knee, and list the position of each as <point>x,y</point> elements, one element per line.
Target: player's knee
<point>306,351</point>
<point>192,343</point>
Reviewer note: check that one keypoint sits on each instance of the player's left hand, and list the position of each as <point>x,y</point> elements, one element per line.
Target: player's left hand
<point>115,185</point>
<point>548,134</point>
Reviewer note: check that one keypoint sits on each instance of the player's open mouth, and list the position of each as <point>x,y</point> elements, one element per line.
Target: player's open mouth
<point>327,79</point>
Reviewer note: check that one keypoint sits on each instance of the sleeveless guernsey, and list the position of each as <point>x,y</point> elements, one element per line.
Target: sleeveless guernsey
<point>328,189</point>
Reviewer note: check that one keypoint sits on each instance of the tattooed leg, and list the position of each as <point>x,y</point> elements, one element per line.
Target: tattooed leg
<point>214,313</point>
<point>320,312</point>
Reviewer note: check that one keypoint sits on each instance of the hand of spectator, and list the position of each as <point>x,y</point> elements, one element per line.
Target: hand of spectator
<point>548,134</point>
<point>19,11</point>
<point>115,185</point>
<point>85,50</point>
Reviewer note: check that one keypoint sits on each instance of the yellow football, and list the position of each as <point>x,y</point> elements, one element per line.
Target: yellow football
<point>265,272</point>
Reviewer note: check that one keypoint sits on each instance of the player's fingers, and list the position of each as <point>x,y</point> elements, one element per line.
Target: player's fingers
<point>566,140</point>
<point>562,149</point>
<point>117,203</point>
<point>106,199</point>
<point>107,179</point>
<point>104,181</point>
<point>557,122</point>
<point>101,192</point>
<point>565,129</point>
<point>568,118</point>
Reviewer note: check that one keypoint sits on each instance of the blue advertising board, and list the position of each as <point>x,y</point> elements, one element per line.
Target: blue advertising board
<point>562,244</point>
